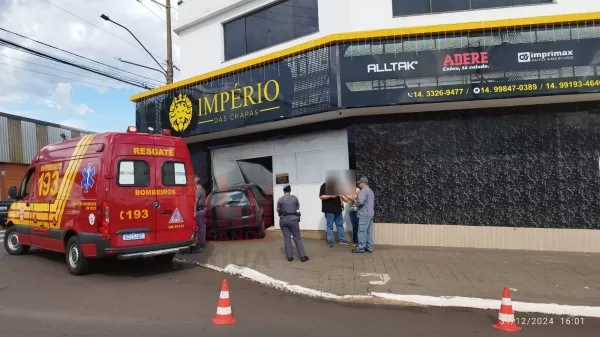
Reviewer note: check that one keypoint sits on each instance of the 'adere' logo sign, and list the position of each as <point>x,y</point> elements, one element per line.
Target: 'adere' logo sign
<point>180,113</point>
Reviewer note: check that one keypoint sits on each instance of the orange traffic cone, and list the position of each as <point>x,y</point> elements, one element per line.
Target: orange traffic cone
<point>506,318</point>
<point>224,315</point>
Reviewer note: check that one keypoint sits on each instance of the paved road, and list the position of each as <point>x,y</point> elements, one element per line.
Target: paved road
<point>2,234</point>
<point>139,298</point>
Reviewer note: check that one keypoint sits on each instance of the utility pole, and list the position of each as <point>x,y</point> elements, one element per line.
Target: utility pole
<point>169,71</point>
<point>169,44</point>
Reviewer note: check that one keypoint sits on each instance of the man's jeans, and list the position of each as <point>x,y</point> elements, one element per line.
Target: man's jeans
<point>201,236</point>
<point>354,221</point>
<point>365,234</point>
<point>339,222</point>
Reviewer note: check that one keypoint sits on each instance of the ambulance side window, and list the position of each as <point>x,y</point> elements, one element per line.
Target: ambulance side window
<point>133,173</point>
<point>27,183</point>
<point>174,174</point>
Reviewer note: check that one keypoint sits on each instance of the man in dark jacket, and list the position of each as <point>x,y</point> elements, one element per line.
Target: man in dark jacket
<point>332,206</point>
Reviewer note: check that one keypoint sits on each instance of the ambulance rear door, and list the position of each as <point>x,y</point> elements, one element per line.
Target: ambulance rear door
<point>176,194</point>
<point>132,197</point>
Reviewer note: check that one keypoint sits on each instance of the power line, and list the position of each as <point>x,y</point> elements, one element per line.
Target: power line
<point>159,6</point>
<point>151,11</point>
<point>84,20</point>
<point>103,73</point>
<point>77,55</point>
<point>99,72</point>
<point>64,78</point>
<point>46,66</point>
<point>164,10</point>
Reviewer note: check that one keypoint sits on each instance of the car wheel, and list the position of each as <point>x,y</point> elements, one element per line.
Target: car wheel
<point>76,262</point>
<point>12,244</point>
<point>164,259</point>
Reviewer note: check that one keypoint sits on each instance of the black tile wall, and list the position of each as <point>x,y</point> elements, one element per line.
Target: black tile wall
<point>535,166</point>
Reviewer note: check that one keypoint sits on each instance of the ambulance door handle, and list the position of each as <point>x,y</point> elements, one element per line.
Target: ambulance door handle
<point>166,212</point>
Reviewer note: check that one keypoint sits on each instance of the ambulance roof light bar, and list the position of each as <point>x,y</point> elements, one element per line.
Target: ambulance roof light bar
<point>132,129</point>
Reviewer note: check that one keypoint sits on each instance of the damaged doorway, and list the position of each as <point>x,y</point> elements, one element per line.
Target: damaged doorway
<point>242,176</point>
<point>259,171</point>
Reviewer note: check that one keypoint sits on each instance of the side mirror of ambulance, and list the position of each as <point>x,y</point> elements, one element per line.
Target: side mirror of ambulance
<point>12,192</point>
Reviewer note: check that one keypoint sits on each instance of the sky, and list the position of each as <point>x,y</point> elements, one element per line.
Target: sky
<point>42,89</point>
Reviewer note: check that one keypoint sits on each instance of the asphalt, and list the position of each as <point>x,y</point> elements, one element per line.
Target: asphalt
<point>140,298</point>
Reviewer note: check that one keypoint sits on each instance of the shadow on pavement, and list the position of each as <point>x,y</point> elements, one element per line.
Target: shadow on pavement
<point>115,267</point>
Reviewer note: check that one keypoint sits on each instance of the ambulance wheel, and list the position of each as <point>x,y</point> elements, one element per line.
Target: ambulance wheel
<point>12,244</point>
<point>164,259</point>
<point>76,262</point>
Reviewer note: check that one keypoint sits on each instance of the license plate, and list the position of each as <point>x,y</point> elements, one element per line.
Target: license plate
<point>3,208</point>
<point>134,236</point>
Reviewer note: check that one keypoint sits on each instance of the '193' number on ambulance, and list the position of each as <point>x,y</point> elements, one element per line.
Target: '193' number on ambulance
<point>48,183</point>
<point>137,214</point>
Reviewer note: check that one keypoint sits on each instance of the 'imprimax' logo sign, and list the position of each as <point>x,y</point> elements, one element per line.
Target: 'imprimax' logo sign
<point>545,56</point>
<point>392,66</point>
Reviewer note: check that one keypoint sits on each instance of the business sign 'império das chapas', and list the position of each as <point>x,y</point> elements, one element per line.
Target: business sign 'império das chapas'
<point>259,95</point>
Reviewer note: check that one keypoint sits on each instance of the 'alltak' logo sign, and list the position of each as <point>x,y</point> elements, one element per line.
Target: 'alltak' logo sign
<point>392,66</point>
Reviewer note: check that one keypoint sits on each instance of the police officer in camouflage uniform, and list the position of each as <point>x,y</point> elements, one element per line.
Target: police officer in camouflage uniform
<point>288,208</point>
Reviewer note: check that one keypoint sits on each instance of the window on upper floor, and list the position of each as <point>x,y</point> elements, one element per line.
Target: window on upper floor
<point>269,26</point>
<point>415,7</point>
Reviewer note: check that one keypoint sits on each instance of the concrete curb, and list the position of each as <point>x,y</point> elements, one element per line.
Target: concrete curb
<point>397,299</point>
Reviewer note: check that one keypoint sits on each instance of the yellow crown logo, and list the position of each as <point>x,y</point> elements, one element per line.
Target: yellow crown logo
<point>180,113</point>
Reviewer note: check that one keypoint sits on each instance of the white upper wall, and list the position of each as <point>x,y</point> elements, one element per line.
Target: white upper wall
<point>201,30</point>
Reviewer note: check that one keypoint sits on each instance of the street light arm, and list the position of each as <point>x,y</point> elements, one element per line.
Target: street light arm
<point>143,66</point>
<point>158,3</point>
<point>147,51</point>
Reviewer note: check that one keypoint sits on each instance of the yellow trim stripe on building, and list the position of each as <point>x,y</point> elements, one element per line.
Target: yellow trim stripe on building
<point>374,34</point>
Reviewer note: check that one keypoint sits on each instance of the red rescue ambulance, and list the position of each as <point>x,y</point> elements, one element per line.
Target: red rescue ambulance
<point>129,195</point>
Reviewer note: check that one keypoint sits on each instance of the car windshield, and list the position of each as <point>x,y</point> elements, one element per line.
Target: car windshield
<point>228,198</point>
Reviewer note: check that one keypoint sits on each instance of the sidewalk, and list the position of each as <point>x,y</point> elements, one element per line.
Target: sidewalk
<point>537,277</point>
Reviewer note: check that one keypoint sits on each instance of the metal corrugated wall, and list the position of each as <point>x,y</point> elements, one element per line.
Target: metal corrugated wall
<point>14,141</point>
<point>41,138</point>
<point>29,143</point>
<point>54,135</point>
<point>4,154</point>
<point>21,140</point>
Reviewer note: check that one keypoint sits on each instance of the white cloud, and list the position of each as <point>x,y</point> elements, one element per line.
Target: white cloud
<point>21,81</point>
<point>62,100</point>
<point>74,123</point>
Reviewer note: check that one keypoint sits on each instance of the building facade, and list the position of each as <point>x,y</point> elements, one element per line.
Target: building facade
<point>20,139</point>
<point>477,121</point>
